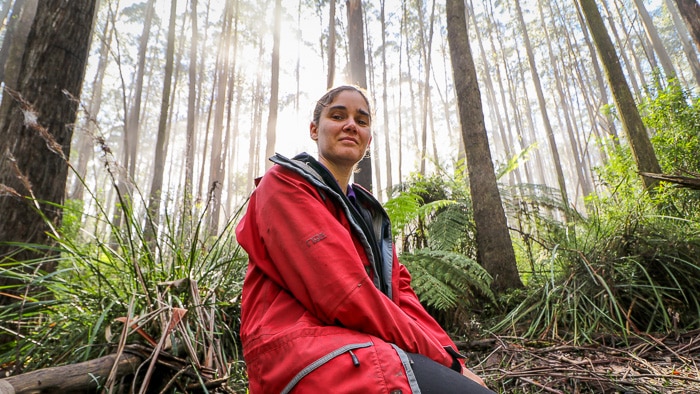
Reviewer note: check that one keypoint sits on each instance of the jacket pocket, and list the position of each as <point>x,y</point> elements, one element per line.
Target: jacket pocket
<point>325,359</point>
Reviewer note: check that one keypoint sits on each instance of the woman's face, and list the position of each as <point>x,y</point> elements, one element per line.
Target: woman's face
<point>343,130</point>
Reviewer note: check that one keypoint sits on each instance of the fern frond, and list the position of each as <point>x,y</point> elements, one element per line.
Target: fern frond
<point>434,206</point>
<point>452,228</point>
<point>446,280</point>
<point>402,209</point>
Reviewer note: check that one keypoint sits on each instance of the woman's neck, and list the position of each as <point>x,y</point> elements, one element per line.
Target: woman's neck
<point>341,174</point>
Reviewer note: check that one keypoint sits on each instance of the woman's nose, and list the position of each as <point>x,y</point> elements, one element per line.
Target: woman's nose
<point>350,125</point>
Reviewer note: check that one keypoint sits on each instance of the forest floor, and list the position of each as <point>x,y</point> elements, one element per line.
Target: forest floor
<point>668,364</point>
<point>648,364</point>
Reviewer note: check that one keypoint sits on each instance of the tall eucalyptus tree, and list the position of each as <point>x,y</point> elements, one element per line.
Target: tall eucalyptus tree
<point>162,134</point>
<point>503,127</point>
<point>690,10</point>
<point>385,101</point>
<point>133,119</point>
<point>599,78</point>
<point>84,144</point>
<point>358,75</point>
<point>566,111</point>
<point>223,89</point>
<point>543,107</point>
<point>15,38</point>
<point>630,41</point>
<point>191,110</point>
<point>495,249</point>
<point>330,79</point>
<point>408,25</point>
<point>685,38</point>
<point>653,36</point>
<point>274,86</point>
<point>642,149</point>
<point>426,41</point>
<point>36,124</point>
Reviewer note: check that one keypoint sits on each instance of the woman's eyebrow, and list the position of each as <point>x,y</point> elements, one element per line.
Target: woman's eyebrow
<point>337,107</point>
<point>344,108</point>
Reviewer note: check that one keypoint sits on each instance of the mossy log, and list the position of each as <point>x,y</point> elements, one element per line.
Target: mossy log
<point>81,377</point>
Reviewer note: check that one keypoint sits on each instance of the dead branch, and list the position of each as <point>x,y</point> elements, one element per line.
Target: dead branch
<point>80,377</point>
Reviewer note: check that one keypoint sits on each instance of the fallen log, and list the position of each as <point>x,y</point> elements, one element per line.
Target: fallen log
<point>81,377</point>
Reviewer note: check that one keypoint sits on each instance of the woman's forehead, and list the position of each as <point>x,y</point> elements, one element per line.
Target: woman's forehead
<point>349,99</point>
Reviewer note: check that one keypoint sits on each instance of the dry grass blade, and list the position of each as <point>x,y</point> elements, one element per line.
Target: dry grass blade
<point>175,319</point>
<point>120,349</point>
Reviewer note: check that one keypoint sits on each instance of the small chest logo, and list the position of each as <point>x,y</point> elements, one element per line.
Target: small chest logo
<point>315,239</point>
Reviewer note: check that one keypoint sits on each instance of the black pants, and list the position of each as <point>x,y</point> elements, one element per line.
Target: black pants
<point>434,378</point>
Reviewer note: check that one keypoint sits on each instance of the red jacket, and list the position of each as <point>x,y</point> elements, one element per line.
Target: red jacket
<point>312,312</point>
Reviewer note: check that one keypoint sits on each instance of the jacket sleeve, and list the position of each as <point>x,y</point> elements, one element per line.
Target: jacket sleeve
<point>410,304</point>
<point>313,256</point>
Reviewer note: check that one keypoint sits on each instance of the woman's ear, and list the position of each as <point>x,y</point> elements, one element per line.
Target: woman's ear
<point>313,131</point>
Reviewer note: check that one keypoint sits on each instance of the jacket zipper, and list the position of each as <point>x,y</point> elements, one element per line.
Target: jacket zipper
<point>323,360</point>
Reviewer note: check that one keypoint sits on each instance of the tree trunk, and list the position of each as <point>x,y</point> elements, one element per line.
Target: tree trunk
<point>191,115</point>
<point>425,45</point>
<point>657,44</point>
<point>216,171</point>
<point>330,80</point>
<point>543,110</point>
<point>599,78</point>
<point>411,89</point>
<point>400,113</point>
<point>232,116</point>
<point>690,10</point>
<point>529,132</point>
<point>579,166</point>
<point>629,115</point>
<point>686,39</point>
<point>491,94</point>
<point>85,141</point>
<point>256,127</point>
<point>495,249</point>
<point>34,154</point>
<point>162,136</point>
<point>131,135</point>
<point>385,105</point>
<point>358,76</point>
<point>274,87</point>
<point>14,42</point>
<point>627,41</point>
<point>373,149</point>
<point>519,129</point>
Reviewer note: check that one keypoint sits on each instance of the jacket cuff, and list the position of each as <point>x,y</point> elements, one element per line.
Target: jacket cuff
<point>456,364</point>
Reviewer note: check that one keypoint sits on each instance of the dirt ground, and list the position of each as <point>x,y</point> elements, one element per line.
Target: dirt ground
<point>644,364</point>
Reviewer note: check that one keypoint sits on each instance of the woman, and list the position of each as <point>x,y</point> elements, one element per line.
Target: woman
<point>326,305</point>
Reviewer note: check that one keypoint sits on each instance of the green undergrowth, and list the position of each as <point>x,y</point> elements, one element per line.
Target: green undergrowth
<point>116,284</point>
